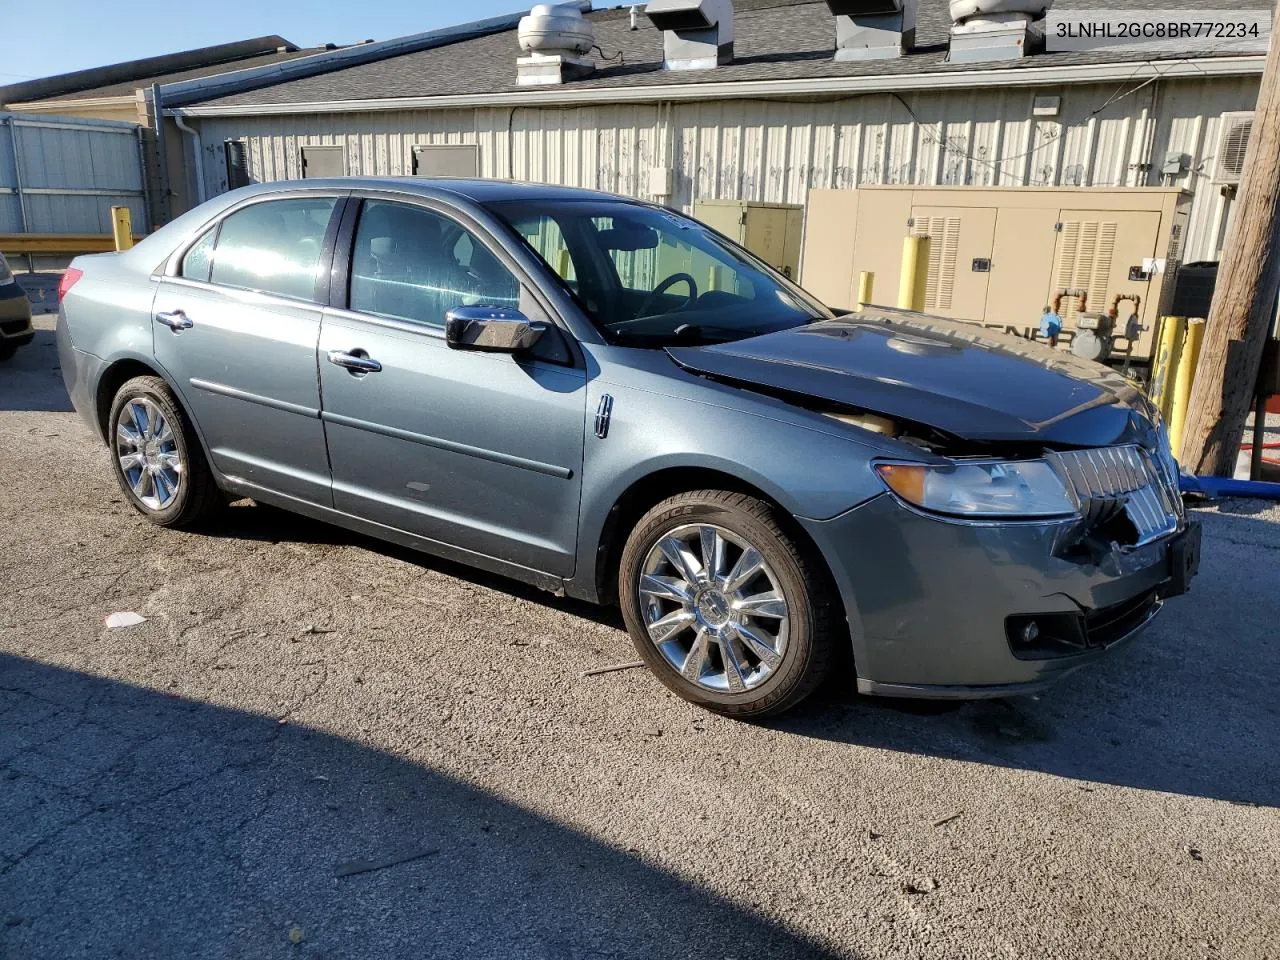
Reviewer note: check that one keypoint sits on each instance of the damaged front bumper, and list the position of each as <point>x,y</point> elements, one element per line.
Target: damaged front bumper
<point>958,609</point>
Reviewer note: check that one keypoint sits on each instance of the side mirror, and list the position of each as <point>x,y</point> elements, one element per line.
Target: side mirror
<point>491,329</point>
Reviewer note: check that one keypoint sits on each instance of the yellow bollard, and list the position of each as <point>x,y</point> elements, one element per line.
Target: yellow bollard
<point>1162,369</point>
<point>1185,377</point>
<point>866,283</point>
<point>562,267</point>
<point>915,273</point>
<point>122,227</point>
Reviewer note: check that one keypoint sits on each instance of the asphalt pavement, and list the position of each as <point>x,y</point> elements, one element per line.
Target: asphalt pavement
<point>316,745</point>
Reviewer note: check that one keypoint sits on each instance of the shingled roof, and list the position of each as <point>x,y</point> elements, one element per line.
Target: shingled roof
<point>774,40</point>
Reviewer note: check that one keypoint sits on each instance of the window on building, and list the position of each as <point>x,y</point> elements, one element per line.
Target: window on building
<point>274,247</point>
<point>412,264</point>
<point>237,158</point>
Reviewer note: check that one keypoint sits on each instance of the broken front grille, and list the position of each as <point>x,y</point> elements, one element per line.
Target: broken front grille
<point>1109,481</point>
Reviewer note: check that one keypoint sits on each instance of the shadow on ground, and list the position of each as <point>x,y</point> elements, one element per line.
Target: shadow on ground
<point>247,520</point>
<point>35,373</point>
<point>143,825</point>
<point>1187,708</point>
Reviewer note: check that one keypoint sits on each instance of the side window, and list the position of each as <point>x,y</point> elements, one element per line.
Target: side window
<point>412,264</point>
<point>274,247</point>
<point>199,256</point>
<point>545,236</point>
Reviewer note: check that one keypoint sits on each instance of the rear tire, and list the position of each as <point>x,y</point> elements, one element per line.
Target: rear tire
<point>740,643</point>
<point>158,461</point>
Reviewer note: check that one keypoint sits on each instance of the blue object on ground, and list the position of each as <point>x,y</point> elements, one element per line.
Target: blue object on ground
<point>1227,487</point>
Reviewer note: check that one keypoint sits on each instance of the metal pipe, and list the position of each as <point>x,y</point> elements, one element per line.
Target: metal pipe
<point>1259,432</point>
<point>1162,365</point>
<point>1183,378</point>
<point>198,150</point>
<point>162,156</point>
<point>1080,295</point>
<point>148,211</point>
<point>866,283</point>
<point>122,228</point>
<point>17,177</point>
<point>915,273</point>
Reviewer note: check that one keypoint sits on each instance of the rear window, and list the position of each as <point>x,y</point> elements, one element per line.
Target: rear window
<point>199,258</point>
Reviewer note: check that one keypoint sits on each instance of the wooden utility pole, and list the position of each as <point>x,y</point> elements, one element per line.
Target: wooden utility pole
<point>1244,299</point>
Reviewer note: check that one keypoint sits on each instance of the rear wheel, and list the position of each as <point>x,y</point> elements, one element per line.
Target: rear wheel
<point>158,461</point>
<point>726,607</point>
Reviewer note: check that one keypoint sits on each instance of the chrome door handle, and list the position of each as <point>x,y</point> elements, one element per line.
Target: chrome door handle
<point>175,321</point>
<point>354,362</point>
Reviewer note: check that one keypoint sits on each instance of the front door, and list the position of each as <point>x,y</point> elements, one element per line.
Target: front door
<point>236,330</point>
<point>479,451</point>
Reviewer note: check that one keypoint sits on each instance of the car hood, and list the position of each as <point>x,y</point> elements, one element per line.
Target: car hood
<point>960,378</point>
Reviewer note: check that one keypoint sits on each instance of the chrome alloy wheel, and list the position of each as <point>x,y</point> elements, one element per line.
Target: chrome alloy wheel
<point>148,454</point>
<point>713,608</point>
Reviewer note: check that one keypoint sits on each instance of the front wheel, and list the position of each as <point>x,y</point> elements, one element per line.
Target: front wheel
<point>727,608</point>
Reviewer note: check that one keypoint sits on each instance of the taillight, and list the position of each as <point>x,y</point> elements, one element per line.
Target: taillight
<point>68,281</point>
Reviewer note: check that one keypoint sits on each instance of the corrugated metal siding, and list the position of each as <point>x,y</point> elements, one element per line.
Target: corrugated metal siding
<point>71,172</point>
<point>775,151</point>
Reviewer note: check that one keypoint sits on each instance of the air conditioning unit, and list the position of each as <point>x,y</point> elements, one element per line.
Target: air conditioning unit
<point>1233,141</point>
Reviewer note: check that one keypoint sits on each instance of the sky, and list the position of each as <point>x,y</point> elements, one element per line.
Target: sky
<point>90,33</point>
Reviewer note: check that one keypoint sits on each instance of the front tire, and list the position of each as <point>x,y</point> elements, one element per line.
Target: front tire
<point>726,607</point>
<point>158,461</point>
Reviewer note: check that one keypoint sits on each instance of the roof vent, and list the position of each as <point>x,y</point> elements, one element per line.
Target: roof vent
<point>873,29</point>
<point>696,34</point>
<point>557,39</point>
<point>995,29</point>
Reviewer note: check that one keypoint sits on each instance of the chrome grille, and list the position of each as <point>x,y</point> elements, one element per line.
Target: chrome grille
<point>1106,480</point>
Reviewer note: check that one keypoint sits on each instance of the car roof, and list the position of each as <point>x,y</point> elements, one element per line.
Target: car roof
<point>476,190</point>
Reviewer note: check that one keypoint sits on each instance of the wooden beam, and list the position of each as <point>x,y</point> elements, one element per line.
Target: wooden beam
<point>71,243</point>
<point>1244,300</point>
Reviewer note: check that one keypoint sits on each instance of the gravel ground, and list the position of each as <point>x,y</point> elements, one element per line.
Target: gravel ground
<point>319,746</point>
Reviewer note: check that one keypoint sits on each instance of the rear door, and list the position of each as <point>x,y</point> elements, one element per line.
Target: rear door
<point>236,326</point>
<point>480,451</point>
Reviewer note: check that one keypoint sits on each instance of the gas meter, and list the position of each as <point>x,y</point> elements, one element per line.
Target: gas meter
<point>1094,332</point>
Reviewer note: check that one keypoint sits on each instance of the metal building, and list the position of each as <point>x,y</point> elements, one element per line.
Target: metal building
<point>782,117</point>
<point>62,175</point>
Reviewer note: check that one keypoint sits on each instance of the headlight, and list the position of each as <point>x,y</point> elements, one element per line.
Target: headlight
<point>1024,488</point>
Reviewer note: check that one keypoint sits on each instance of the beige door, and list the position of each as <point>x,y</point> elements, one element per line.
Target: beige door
<point>1095,251</point>
<point>727,218</point>
<point>960,246</point>
<point>766,235</point>
<point>1020,263</point>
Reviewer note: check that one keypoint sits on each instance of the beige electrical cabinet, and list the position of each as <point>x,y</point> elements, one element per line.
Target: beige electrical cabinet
<point>1000,256</point>
<point>769,230</point>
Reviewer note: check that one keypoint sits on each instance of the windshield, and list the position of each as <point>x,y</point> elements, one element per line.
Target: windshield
<point>652,278</point>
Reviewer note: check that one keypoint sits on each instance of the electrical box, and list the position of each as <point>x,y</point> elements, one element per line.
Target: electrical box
<point>771,231</point>
<point>1000,256</point>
